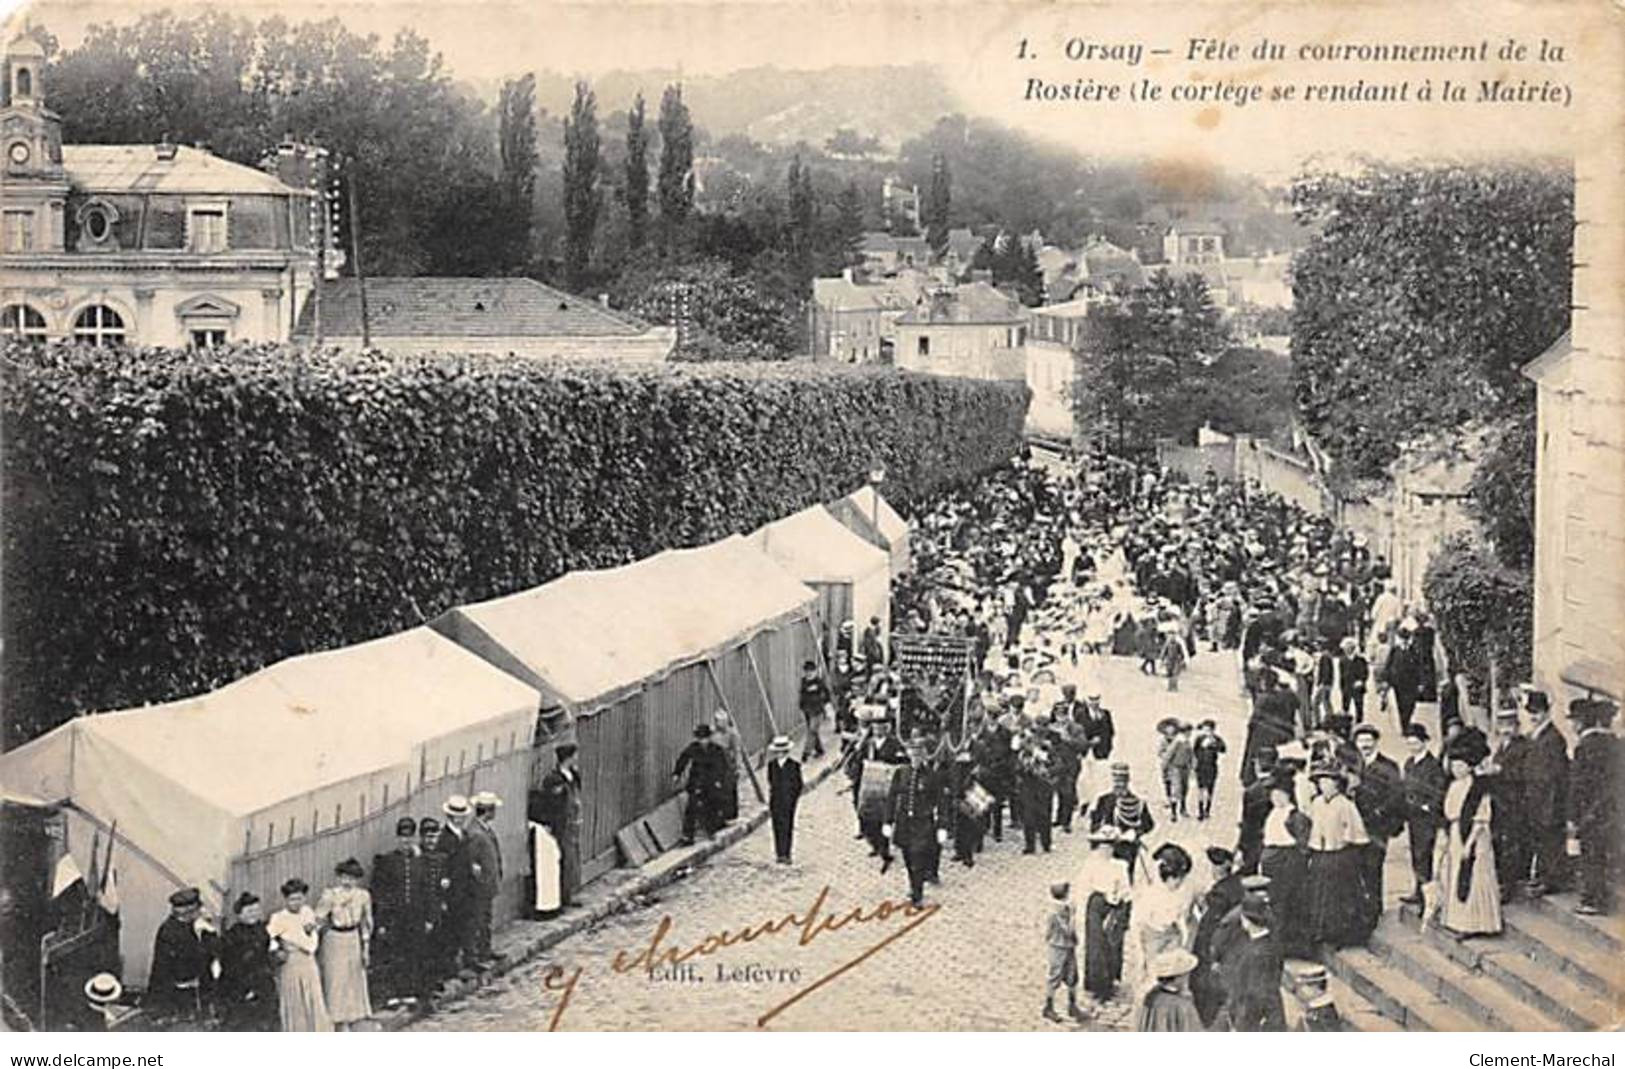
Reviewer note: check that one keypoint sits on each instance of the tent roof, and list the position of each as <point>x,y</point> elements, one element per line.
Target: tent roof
<point>815,547</point>
<point>316,720</point>
<point>591,634</point>
<point>892,526</point>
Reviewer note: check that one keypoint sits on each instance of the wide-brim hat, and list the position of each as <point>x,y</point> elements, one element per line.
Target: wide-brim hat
<point>1330,771</point>
<point>486,799</point>
<point>1470,746</point>
<point>103,988</point>
<point>780,744</point>
<point>1169,722</point>
<point>1171,964</point>
<point>456,806</point>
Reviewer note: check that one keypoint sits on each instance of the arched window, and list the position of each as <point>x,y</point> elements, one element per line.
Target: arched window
<point>22,321</point>
<point>25,82</point>
<point>99,325</point>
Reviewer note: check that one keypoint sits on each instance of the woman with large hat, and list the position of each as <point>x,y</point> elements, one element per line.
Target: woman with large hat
<point>1336,836</point>
<point>1469,895</point>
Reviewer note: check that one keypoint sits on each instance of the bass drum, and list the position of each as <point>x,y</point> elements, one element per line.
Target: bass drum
<point>874,787</point>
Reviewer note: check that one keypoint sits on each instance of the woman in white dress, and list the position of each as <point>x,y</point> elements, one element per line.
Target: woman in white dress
<point>1464,858</point>
<point>1165,910</point>
<point>295,933</point>
<point>346,915</point>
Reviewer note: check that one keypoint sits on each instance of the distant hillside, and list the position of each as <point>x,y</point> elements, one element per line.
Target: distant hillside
<point>773,106</point>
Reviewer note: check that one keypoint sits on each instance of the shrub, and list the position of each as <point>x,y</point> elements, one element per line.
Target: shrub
<point>173,520</point>
<point>1485,611</point>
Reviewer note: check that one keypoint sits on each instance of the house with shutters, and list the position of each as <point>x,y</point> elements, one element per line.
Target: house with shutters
<point>140,244</point>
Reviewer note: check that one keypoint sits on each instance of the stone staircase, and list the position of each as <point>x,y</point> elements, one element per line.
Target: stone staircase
<point>1551,970</point>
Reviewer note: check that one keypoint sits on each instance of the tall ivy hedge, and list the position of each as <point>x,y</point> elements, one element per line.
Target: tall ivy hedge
<point>173,520</point>
<point>1485,610</point>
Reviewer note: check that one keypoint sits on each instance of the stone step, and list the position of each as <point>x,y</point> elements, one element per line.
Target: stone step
<point>1449,977</point>
<point>1555,994</point>
<point>1605,933</point>
<point>1398,997</point>
<point>1356,1013</point>
<point>1556,946</point>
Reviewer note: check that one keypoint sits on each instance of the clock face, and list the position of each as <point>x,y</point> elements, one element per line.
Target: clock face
<point>19,152</point>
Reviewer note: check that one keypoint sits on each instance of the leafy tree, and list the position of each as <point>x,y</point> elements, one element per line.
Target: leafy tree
<point>1143,356</point>
<point>936,203</point>
<point>516,137</point>
<point>800,197</point>
<point>849,222</point>
<point>1503,489</point>
<point>637,175</point>
<point>1485,612</point>
<point>1424,292</point>
<point>582,198</point>
<point>722,314</point>
<point>1245,391</point>
<point>675,183</point>
<point>848,142</point>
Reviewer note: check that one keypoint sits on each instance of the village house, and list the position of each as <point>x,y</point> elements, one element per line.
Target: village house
<point>141,244</point>
<point>517,316</point>
<point>886,254</point>
<point>1187,242</point>
<point>855,322</point>
<point>1054,333</point>
<point>899,203</point>
<point>960,253</point>
<point>971,331</point>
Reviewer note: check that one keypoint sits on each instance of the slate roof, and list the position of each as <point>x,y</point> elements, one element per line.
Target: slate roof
<point>137,169</point>
<point>973,302</point>
<point>463,308</point>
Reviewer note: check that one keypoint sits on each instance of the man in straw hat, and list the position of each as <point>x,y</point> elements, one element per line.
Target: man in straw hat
<point>783,795</point>
<point>458,884</point>
<point>487,854</point>
<point>100,1008</point>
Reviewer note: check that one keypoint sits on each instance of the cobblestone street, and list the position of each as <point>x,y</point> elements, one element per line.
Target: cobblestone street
<point>977,963</point>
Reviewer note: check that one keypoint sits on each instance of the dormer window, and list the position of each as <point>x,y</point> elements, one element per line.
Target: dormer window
<point>206,228</point>
<point>96,219</point>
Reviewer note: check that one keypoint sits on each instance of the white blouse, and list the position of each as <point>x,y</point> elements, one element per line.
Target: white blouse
<point>1276,832</point>
<point>1455,797</point>
<point>1335,823</point>
<point>289,929</point>
<point>1102,873</point>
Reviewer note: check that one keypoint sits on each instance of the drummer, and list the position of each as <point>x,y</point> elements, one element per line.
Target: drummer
<point>872,766</point>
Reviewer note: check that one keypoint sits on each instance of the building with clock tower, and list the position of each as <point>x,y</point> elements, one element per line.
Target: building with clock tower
<point>143,244</point>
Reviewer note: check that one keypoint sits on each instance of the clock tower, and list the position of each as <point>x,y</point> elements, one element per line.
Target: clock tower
<point>33,183</point>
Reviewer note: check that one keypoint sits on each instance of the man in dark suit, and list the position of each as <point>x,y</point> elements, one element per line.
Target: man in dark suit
<point>1377,793</point>
<point>488,871</point>
<point>783,794</point>
<point>914,819</point>
<point>556,805</point>
<point>1273,723</point>
<point>1250,962</point>
<point>1404,674</point>
<point>185,954</point>
<point>1423,782</point>
<point>1099,735</point>
<point>458,885</point>
<point>1225,895</point>
<point>1508,776</point>
<point>1594,799</point>
<point>703,763</point>
<point>440,949</point>
<point>1546,803</point>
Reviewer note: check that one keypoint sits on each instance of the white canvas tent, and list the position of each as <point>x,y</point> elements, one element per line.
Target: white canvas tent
<point>640,654</point>
<point>870,516</point>
<point>282,773</point>
<point>852,577</point>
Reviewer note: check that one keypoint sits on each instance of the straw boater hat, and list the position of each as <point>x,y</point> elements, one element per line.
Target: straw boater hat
<point>780,744</point>
<point>456,806</point>
<point>1172,964</point>
<point>103,988</point>
<point>486,800</point>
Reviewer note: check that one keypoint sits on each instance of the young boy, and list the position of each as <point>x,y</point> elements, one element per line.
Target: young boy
<point>1174,752</point>
<point>1061,942</point>
<point>1206,750</point>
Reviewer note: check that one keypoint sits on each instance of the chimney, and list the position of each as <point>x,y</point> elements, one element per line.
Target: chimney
<point>846,273</point>
<point>603,300</point>
<point>166,150</point>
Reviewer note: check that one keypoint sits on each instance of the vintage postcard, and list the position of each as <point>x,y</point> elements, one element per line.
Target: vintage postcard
<point>722,516</point>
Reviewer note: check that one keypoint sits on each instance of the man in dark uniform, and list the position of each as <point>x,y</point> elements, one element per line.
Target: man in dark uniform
<point>703,762</point>
<point>1595,779</point>
<point>1423,782</point>
<point>784,787</point>
<point>991,750</point>
<point>968,827</point>
<point>1207,990</point>
<point>1546,806</point>
<point>459,885</point>
<point>879,745</point>
<point>1066,752</point>
<point>185,960</point>
<point>914,819</point>
<point>815,703</point>
<point>1255,809</point>
<point>1378,795</point>
<point>1127,812</point>
<point>1250,968</point>
<point>556,805</point>
<point>401,898</point>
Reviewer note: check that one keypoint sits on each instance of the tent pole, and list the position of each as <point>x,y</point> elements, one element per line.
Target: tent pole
<point>761,688</point>
<point>711,671</point>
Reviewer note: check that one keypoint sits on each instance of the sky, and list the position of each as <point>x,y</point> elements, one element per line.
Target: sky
<point>977,46</point>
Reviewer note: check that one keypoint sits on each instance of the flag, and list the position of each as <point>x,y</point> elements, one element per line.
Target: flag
<point>109,893</point>
<point>67,874</point>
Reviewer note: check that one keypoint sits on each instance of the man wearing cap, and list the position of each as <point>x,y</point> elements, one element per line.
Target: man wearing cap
<point>1423,782</point>
<point>402,897</point>
<point>1221,898</point>
<point>783,795</point>
<point>555,805</point>
<point>1595,780</point>
<point>1546,796</point>
<point>458,885</point>
<point>915,822</point>
<point>438,953</point>
<point>1126,811</point>
<point>185,960</point>
<point>1250,967</point>
<point>702,761</point>
<point>815,704</point>
<point>486,850</point>
<point>1379,796</point>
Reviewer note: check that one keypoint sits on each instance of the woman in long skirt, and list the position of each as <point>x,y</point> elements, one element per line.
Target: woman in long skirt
<point>725,735</point>
<point>346,911</point>
<point>1336,837</point>
<point>1464,859</point>
<point>1285,861</point>
<point>1165,916</point>
<point>295,933</point>
<point>1103,890</point>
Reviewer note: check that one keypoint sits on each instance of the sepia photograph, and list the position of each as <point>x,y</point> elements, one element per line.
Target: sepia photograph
<point>712,517</point>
